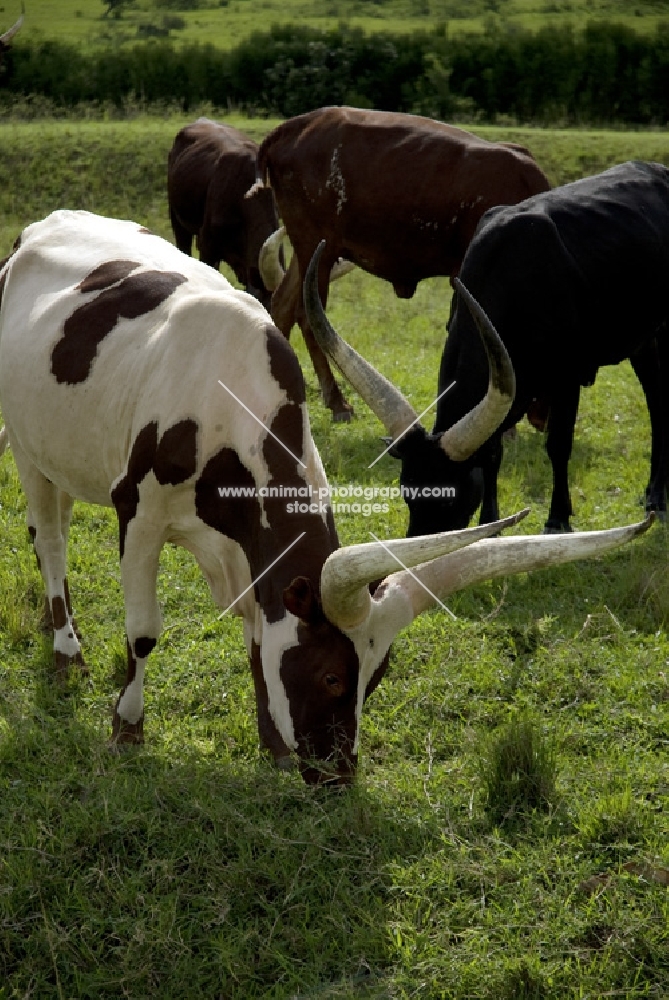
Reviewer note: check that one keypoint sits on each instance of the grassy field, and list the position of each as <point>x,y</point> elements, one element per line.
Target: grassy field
<point>84,22</point>
<point>191,868</point>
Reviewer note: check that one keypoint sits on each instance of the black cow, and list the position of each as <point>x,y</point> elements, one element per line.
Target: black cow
<point>570,279</point>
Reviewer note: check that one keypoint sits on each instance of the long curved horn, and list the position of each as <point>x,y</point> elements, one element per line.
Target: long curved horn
<point>340,268</point>
<point>394,411</point>
<point>347,572</point>
<point>6,38</point>
<point>269,264</point>
<point>505,556</point>
<point>471,431</point>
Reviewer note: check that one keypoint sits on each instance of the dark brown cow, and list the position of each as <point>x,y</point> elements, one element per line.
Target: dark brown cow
<point>209,169</point>
<point>397,194</point>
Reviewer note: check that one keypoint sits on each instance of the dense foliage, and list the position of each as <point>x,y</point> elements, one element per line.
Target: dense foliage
<point>605,73</point>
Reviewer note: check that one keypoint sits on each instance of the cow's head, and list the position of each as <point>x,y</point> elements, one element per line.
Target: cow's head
<point>335,654</point>
<point>441,477</point>
<point>343,639</point>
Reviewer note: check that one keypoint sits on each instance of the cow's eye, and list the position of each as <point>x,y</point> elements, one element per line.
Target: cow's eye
<point>334,685</point>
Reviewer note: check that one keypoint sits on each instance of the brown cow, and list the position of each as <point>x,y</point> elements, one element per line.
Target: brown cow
<point>209,169</point>
<point>397,194</point>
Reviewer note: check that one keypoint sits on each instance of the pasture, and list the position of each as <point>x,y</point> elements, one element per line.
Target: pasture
<point>191,867</point>
<point>227,22</point>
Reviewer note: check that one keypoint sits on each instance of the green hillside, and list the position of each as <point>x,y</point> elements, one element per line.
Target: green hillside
<point>94,23</point>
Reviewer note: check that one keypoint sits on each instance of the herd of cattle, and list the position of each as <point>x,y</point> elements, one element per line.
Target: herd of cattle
<point>134,376</point>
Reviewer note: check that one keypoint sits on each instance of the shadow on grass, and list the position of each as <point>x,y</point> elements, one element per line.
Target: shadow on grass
<point>161,871</point>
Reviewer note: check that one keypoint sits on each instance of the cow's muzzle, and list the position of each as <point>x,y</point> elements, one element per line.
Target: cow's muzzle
<point>328,773</point>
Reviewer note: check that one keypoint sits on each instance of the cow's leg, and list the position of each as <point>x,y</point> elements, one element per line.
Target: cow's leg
<point>559,440</point>
<point>209,242</point>
<point>49,512</point>
<point>182,237</point>
<point>139,570</point>
<point>287,309</point>
<point>490,471</point>
<point>66,503</point>
<point>651,367</point>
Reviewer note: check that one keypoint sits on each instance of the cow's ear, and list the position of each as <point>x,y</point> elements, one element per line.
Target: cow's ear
<point>301,600</point>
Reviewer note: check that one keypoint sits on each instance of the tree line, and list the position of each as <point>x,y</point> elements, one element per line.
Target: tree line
<point>604,74</point>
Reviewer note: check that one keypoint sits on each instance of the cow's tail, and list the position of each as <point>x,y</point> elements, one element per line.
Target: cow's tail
<point>262,168</point>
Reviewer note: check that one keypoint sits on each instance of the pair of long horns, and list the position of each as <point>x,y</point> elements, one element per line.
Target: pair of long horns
<point>434,566</point>
<point>394,411</point>
<point>271,270</point>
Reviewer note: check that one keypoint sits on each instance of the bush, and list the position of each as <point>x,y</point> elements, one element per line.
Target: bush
<point>606,74</point>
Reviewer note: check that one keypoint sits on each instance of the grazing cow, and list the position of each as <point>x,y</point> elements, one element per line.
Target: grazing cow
<point>209,170</point>
<point>396,194</point>
<point>550,275</point>
<point>135,377</point>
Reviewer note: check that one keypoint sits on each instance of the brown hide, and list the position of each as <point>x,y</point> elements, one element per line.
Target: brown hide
<point>399,195</point>
<point>209,170</point>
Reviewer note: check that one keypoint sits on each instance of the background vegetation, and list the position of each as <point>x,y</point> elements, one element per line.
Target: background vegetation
<point>508,835</point>
<point>95,24</point>
<point>578,67</point>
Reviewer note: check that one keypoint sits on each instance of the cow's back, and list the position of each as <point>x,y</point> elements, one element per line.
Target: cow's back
<point>398,194</point>
<point>194,160</point>
<point>573,279</point>
<point>124,330</point>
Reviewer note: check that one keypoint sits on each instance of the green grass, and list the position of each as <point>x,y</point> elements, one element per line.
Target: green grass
<point>191,867</point>
<point>226,24</point>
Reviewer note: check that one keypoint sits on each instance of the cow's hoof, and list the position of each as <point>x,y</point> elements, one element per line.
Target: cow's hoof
<point>285,763</point>
<point>557,528</point>
<point>343,415</point>
<point>658,507</point>
<point>62,662</point>
<point>126,733</point>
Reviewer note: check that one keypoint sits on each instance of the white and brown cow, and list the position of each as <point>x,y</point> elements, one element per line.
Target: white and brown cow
<point>113,346</point>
